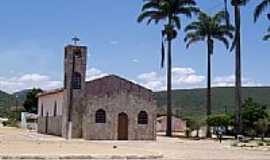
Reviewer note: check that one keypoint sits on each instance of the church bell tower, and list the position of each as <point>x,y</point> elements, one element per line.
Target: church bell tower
<point>74,87</point>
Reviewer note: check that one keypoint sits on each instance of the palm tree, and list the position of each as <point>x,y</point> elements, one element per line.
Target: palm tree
<point>260,8</point>
<point>267,36</point>
<point>209,28</point>
<point>168,10</point>
<point>258,12</point>
<point>238,77</point>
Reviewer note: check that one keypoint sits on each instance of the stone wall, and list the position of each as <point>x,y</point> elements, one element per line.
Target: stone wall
<point>54,125</point>
<point>78,94</point>
<point>114,105</point>
<point>112,84</point>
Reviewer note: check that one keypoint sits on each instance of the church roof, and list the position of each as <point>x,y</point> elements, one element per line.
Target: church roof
<point>111,84</point>
<point>54,91</point>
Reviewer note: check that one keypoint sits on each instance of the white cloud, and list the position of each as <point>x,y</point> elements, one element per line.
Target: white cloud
<point>28,81</point>
<point>94,73</point>
<point>181,78</point>
<point>228,81</point>
<point>186,76</point>
<point>114,42</point>
<point>135,60</point>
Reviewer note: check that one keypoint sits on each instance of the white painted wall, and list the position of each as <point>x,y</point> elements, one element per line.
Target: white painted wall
<point>48,102</point>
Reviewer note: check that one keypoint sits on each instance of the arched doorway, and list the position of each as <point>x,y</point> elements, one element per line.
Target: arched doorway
<point>122,126</point>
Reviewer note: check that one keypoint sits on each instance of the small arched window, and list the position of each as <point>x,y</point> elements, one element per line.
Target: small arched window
<point>100,116</point>
<point>76,80</point>
<point>55,109</point>
<point>78,53</point>
<point>142,118</point>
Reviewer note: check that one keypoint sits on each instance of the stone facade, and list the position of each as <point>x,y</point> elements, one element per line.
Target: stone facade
<point>108,108</point>
<point>115,95</point>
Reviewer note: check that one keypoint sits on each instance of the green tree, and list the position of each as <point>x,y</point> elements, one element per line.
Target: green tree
<point>252,113</point>
<point>194,124</point>
<point>209,28</point>
<point>168,10</point>
<point>262,126</point>
<point>31,102</point>
<point>219,120</point>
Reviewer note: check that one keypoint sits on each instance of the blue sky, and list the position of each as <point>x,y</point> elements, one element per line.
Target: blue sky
<point>34,33</point>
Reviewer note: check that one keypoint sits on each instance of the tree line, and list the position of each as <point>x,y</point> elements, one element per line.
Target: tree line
<point>206,28</point>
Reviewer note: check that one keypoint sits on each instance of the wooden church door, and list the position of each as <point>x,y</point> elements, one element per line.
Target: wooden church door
<point>122,126</point>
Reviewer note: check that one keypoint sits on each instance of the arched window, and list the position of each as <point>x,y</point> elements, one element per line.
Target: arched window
<point>76,80</point>
<point>100,116</point>
<point>55,109</point>
<point>78,53</point>
<point>142,118</point>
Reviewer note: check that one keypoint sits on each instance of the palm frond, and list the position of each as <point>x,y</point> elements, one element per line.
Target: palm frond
<point>187,11</point>
<point>266,37</point>
<point>239,2</point>
<point>209,27</point>
<point>153,15</point>
<point>260,9</point>
<point>150,5</point>
<point>192,26</point>
<point>223,40</point>
<point>193,40</point>
<point>177,22</point>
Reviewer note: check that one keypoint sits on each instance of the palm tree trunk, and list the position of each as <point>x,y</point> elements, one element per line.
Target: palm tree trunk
<point>238,94</point>
<point>169,90</point>
<point>209,102</point>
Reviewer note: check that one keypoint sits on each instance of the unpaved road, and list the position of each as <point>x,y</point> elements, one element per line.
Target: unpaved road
<point>17,141</point>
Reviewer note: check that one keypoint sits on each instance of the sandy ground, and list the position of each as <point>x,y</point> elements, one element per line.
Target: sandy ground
<point>17,141</point>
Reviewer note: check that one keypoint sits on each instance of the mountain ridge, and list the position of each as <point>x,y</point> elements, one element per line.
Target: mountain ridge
<point>186,102</point>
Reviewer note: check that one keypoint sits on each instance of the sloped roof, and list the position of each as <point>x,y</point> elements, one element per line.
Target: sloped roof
<point>54,91</point>
<point>110,84</point>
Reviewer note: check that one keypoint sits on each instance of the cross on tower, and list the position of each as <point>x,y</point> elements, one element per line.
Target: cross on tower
<point>75,40</point>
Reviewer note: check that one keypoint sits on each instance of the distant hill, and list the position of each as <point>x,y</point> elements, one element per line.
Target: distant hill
<point>6,100</point>
<point>9,100</point>
<point>192,102</point>
<point>185,102</point>
<point>21,95</point>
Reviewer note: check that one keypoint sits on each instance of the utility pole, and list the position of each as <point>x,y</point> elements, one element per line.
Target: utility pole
<point>70,107</point>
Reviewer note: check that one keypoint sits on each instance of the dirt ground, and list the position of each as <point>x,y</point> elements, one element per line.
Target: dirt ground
<point>18,141</point>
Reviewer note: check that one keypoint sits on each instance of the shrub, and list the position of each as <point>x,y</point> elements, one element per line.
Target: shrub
<point>260,143</point>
